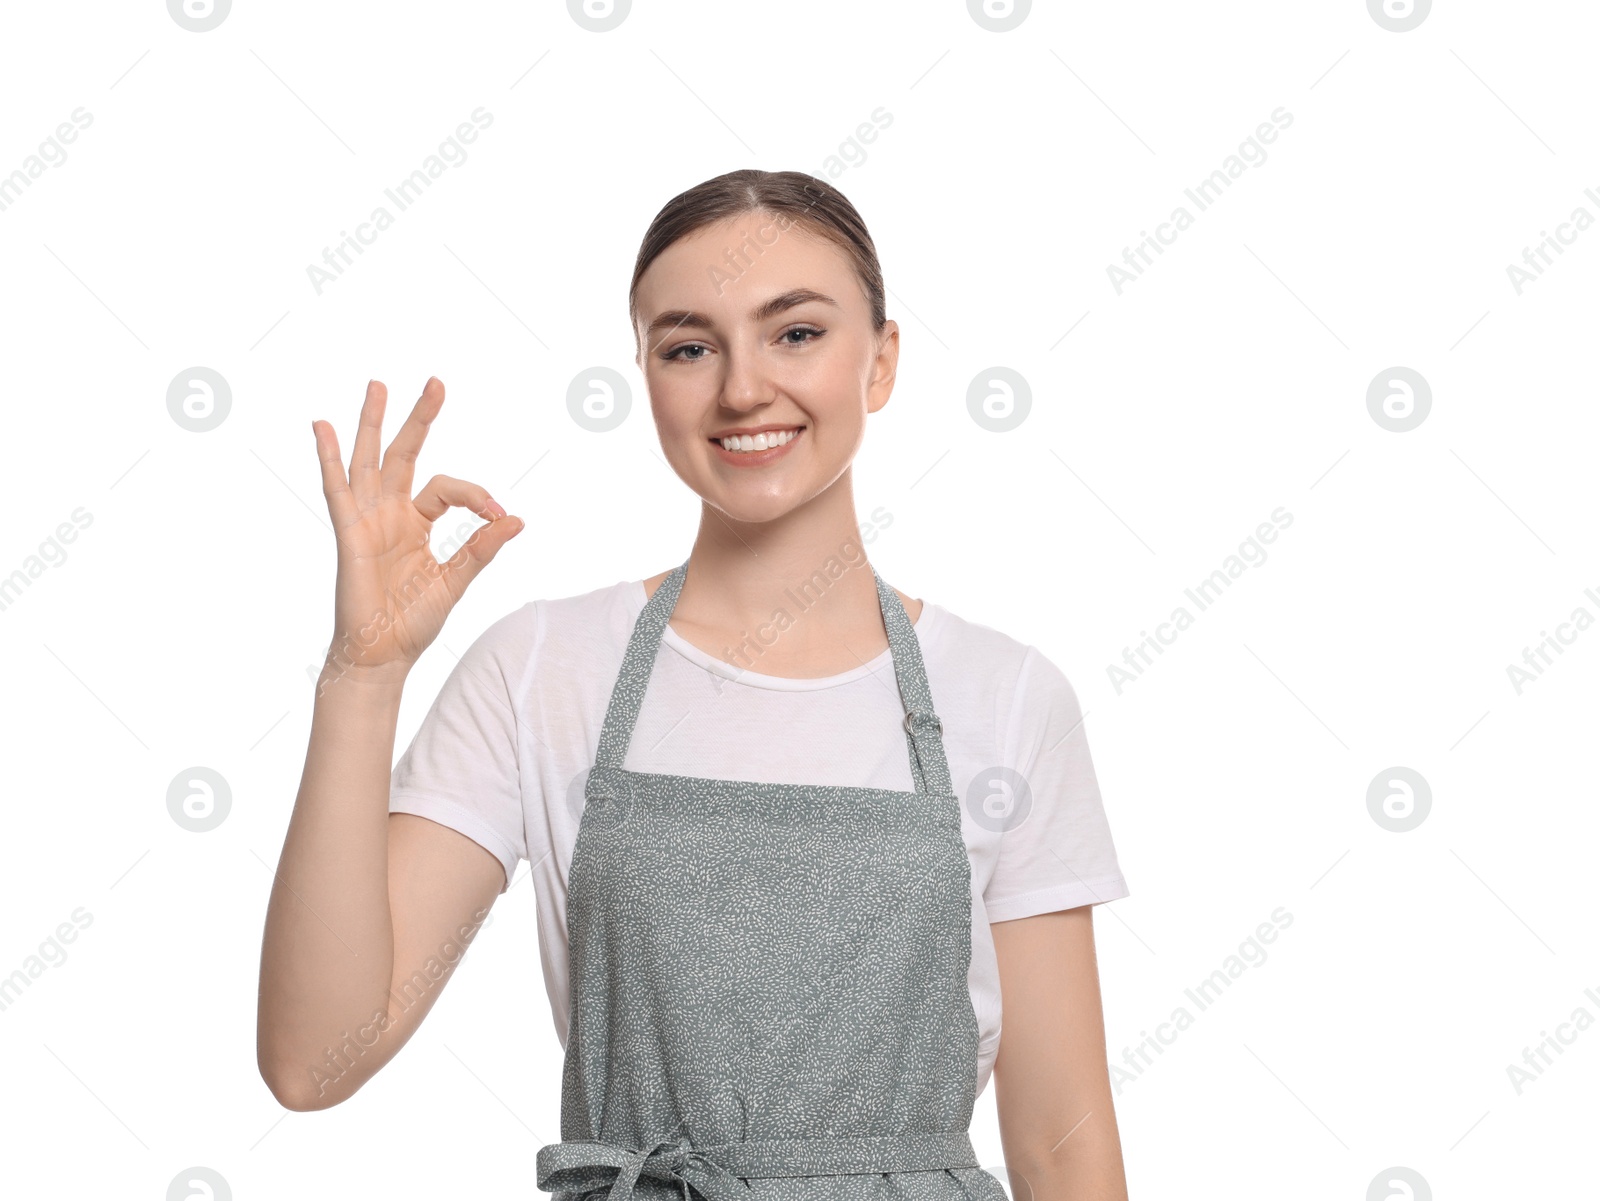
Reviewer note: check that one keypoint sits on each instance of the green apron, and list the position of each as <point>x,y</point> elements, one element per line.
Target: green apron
<point>768,981</point>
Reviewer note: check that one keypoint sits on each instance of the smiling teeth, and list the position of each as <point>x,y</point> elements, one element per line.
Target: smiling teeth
<point>766,441</point>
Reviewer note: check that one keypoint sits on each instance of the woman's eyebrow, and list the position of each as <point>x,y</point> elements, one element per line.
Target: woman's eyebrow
<point>679,318</point>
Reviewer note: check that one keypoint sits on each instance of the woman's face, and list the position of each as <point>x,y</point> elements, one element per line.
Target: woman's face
<point>755,324</point>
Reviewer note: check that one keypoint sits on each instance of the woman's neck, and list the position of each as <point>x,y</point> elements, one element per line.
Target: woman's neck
<point>794,598</point>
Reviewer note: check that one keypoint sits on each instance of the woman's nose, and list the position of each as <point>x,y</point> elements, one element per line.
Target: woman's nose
<point>746,384</point>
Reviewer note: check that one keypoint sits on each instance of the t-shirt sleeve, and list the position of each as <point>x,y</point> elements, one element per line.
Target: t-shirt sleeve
<point>1057,851</point>
<point>462,769</point>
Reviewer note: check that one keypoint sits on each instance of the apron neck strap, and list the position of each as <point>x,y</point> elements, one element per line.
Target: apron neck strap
<point>930,770</point>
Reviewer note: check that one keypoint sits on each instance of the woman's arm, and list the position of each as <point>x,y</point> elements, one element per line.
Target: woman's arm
<point>367,905</point>
<point>1052,1086</point>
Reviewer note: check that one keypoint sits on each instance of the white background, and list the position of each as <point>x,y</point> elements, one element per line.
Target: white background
<point>1228,380</point>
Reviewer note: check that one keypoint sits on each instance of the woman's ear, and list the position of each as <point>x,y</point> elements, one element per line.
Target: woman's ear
<point>883,367</point>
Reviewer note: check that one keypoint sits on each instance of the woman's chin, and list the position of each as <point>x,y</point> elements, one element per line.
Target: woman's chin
<point>749,505</point>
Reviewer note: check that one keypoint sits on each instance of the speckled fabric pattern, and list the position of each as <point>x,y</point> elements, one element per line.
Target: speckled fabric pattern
<point>769,981</point>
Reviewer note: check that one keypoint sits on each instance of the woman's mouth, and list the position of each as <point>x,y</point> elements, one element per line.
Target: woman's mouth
<point>756,450</point>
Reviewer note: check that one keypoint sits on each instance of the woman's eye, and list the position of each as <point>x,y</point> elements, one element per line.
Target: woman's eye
<point>800,335</point>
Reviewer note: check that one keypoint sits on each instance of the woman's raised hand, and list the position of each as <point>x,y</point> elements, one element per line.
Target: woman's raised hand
<point>392,595</point>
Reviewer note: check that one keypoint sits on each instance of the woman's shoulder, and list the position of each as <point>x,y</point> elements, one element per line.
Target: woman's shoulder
<point>945,632</point>
<point>573,621</point>
<point>971,654</point>
<point>586,606</point>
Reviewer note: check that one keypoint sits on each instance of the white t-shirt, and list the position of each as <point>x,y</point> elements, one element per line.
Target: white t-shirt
<point>502,755</point>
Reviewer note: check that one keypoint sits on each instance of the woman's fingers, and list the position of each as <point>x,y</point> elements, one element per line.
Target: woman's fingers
<point>479,551</point>
<point>364,479</point>
<point>335,487</point>
<point>399,461</point>
<point>444,491</point>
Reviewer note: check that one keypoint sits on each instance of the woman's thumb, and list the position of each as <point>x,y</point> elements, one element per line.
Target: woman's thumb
<point>497,533</point>
<point>483,546</point>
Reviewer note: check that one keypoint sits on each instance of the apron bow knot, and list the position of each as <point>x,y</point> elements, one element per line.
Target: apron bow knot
<point>585,1165</point>
<point>667,1157</point>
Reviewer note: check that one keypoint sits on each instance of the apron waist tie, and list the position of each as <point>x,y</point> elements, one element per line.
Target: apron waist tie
<point>715,1169</point>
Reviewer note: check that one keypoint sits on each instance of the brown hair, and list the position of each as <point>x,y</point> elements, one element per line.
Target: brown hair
<point>801,199</point>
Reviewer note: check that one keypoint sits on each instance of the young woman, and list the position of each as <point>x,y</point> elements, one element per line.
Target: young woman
<point>793,832</point>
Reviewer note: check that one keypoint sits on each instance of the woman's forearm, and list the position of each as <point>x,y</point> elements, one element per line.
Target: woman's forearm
<point>328,949</point>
